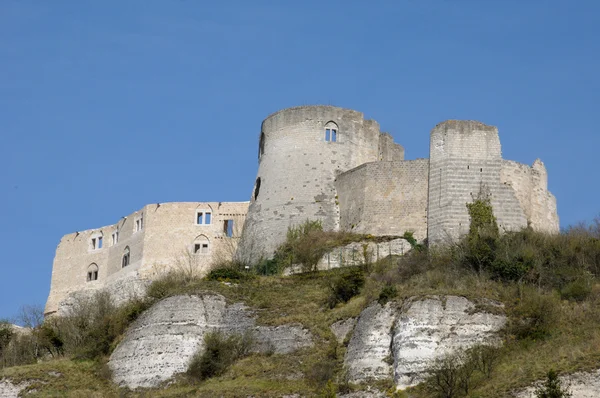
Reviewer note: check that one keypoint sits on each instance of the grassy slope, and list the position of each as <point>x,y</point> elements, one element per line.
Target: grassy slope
<point>574,343</point>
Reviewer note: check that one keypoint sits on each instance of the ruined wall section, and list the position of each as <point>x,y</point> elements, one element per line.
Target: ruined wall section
<point>530,184</point>
<point>466,159</point>
<point>163,240</point>
<point>297,170</point>
<point>388,149</point>
<point>385,198</point>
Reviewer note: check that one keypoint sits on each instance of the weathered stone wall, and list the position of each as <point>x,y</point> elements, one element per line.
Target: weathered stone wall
<point>385,198</point>
<point>530,184</point>
<point>165,240</point>
<point>297,169</point>
<point>466,159</point>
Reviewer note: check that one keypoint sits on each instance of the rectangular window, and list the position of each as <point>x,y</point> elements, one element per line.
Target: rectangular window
<point>228,228</point>
<point>196,248</point>
<point>204,249</point>
<point>115,238</point>
<point>99,242</point>
<point>203,218</point>
<point>333,136</point>
<point>93,243</point>
<point>327,134</point>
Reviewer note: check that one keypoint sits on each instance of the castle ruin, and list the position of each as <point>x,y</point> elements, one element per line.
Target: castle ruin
<point>320,163</point>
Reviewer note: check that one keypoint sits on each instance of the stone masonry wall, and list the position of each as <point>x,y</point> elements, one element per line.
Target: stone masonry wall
<point>297,169</point>
<point>530,184</point>
<point>385,198</point>
<point>165,241</point>
<point>466,159</point>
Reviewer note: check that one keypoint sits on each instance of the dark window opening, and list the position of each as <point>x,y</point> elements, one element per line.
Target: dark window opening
<point>199,218</point>
<point>93,243</point>
<point>261,145</point>
<point>256,188</point>
<point>203,218</point>
<point>92,276</point>
<point>196,248</point>
<point>468,167</point>
<point>481,170</point>
<point>228,228</point>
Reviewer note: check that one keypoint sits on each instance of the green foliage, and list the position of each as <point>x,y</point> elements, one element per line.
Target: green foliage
<point>388,293</point>
<point>577,290</point>
<point>410,238</point>
<point>220,352</point>
<point>269,267</point>
<point>345,285</point>
<point>6,334</point>
<point>329,391</point>
<point>226,274</point>
<point>552,387</point>
<point>534,315</point>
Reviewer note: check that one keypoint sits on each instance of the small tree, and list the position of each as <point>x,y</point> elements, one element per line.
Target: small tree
<point>483,234</point>
<point>552,387</point>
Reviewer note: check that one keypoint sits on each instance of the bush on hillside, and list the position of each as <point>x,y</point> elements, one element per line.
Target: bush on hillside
<point>219,353</point>
<point>345,285</point>
<point>552,387</point>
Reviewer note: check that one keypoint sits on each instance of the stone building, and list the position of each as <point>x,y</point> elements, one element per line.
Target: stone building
<point>329,163</point>
<point>159,237</point>
<point>315,162</point>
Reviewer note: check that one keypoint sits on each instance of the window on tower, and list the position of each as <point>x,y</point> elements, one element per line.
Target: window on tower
<point>331,132</point>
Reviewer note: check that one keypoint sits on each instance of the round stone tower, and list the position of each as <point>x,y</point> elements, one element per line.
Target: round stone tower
<point>301,150</point>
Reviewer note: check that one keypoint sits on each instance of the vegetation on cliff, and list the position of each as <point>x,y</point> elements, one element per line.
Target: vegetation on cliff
<point>548,283</point>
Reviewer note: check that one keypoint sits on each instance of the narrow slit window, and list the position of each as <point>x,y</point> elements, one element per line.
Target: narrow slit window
<point>93,243</point>
<point>199,218</point>
<point>196,248</point>
<point>228,228</point>
<point>99,242</point>
<point>327,134</point>
<point>333,135</point>
<point>331,132</point>
<point>207,218</point>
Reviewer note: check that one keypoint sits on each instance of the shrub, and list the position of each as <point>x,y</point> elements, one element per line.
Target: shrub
<point>269,267</point>
<point>534,315</point>
<point>552,387</point>
<point>578,290</point>
<point>345,285</point>
<point>220,352</point>
<point>226,274</point>
<point>387,293</point>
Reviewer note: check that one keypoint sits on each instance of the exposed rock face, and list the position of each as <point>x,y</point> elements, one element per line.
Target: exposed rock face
<point>414,336</point>
<point>341,329</point>
<point>164,339</point>
<point>430,328</point>
<point>10,390</point>
<point>368,352</point>
<point>581,385</point>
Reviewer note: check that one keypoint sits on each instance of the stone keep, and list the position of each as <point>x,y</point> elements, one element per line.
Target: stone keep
<point>298,163</point>
<point>362,183</point>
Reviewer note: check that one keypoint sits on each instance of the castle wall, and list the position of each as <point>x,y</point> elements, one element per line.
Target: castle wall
<point>297,169</point>
<point>159,238</point>
<point>466,159</point>
<point>385,198</point>
<point>530,184</point>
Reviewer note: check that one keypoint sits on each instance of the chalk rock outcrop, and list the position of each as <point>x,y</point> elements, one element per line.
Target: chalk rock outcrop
<point>403,342</point>
<point>428,329</point>
<point>580,385</point>
<point>164,339</point>
<point>10,390</point>
<point>368,353</point>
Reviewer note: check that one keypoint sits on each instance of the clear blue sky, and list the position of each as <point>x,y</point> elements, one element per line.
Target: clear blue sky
<point>109,105</point>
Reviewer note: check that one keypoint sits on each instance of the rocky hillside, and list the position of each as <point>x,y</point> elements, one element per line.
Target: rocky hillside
<point>488,317</point>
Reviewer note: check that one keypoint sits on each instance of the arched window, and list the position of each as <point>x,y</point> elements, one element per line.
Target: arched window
<point>201,245</point>
<point>126,257</point>
<point>204,215</point>
<point>261,145</point>
<point>331,132</point>
<point>92,272</point>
